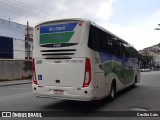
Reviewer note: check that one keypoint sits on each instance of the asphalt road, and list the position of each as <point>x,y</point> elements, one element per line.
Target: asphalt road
<point>145,96</point>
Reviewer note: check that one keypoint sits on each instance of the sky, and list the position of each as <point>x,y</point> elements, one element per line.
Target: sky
<point>132,20</point>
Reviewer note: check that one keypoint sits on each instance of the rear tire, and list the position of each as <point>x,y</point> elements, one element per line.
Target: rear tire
<point>112,92</point>
<point>135,81</point>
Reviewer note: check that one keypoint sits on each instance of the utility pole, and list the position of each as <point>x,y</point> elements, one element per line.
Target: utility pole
<point>27,41</point>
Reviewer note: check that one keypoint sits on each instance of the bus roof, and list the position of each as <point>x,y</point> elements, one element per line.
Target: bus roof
<point>62,20</point>
<point>86,20</point>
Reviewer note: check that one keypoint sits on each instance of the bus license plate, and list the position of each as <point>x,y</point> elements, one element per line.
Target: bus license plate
<point>58,92</point>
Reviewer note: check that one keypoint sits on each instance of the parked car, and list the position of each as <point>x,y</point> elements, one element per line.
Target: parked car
<point>145,70</point>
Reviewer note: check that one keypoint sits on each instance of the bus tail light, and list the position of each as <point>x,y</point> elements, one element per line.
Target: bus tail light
<point>34,73</point>
<point>87,75</point>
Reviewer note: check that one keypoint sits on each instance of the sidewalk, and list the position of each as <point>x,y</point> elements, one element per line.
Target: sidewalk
<point>15,82</point>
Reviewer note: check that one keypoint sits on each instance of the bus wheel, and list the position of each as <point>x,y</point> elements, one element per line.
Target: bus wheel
<point>135,81</point>
<point>112,91</point>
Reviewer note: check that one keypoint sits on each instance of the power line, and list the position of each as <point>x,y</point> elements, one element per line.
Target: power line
<point>16,12</point>
<point>8,10</point>
<point>28,8</point>
<point>21,10</point>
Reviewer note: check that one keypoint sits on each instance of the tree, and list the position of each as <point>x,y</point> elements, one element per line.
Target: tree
<point>146,61</point>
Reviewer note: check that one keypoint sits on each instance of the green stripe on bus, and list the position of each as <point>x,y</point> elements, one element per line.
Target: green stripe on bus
<point>125,75</point>
<point>56,37</point>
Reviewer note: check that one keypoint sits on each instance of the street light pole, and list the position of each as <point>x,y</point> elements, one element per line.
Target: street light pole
<point>28,41</point>
<point>157,29</point>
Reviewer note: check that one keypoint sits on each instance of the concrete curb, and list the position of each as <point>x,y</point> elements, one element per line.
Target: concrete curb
<point>16,82</point>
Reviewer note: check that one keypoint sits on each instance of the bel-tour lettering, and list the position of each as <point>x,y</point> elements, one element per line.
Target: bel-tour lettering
<point>57,28</point>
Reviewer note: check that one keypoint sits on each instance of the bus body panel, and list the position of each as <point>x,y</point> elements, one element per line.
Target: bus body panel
<point>61,49</point>
<point>64,70</point>
<point>61,73</point>
<point>70,93</point>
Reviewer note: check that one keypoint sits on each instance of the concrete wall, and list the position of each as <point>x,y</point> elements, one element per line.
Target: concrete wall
<point>15,69</point>
<point>18,49</point>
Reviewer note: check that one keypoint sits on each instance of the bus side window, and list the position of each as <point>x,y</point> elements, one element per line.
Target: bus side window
<point>122,49</point>
<point>110,45</point>
<point>130,51</point>
<point>106,44</point>
<point>94,39</point>
<point>133,52</point>
<point>126,50</point>
<point>116,48</point>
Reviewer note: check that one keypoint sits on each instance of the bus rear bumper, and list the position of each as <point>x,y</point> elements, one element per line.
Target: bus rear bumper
<point>69,93</point>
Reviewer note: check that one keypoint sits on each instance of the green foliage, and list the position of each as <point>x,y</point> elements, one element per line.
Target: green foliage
<point>146,61</point>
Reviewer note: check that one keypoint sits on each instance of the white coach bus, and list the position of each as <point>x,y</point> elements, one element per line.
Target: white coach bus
<point>76,59</point>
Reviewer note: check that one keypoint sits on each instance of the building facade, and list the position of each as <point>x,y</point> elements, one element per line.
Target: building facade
<point>153,51</point>
<point>13,40</point>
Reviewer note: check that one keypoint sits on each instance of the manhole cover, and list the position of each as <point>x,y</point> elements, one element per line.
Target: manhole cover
<point>138,109</point>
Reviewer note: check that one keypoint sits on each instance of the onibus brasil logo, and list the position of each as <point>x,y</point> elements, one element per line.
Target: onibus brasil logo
<point>21,114</point>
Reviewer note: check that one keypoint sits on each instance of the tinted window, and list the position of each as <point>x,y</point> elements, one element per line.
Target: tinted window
<point>96,36</point>
<point>6,47</point>
<point>103,41</point>
<point>129,51</point>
